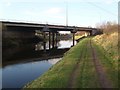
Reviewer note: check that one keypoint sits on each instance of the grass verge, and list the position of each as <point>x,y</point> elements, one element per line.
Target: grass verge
<point>109,67</point>
<point>58,75</point>
<point>87,77</point>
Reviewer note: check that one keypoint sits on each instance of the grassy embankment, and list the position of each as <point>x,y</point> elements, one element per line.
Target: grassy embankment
<point>58,76</point>
<point>109,43</point>
<point>107,46</point>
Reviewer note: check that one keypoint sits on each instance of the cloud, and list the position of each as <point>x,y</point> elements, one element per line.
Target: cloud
<point>49,15</point>
<point>31,13</point>
<point>55,10</point>
<point>57,17</point>
<point>8,4</point>
<point>108,1</point>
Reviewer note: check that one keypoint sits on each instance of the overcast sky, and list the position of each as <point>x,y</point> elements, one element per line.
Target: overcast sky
<point>80,12</point>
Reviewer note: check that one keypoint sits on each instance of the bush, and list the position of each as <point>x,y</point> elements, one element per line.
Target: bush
<point>108,27</point>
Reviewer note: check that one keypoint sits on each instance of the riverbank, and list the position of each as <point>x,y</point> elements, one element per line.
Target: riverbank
<point>28,63</point>
<point>78,68</point>
<point>109,42</point>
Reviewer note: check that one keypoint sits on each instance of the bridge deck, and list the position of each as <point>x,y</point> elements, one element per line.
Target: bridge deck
<point>40,26</point>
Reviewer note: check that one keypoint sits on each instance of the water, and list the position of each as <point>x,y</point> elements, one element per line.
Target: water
<point>19,70</point>
<point>15,75</point>
<point>65,43</point>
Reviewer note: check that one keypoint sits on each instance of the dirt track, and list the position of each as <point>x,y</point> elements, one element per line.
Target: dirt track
<point>73,75</point>
<point>102,78</point>
<point>99,70</point>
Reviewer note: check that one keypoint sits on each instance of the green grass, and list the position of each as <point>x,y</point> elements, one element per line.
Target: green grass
<point>110,44</point>
<point>87,77</point>
<point>110,68</point>
<point>58,75</point>
<point>107,46</point>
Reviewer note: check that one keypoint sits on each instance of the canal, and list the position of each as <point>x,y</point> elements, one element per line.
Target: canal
<point>22,65</point>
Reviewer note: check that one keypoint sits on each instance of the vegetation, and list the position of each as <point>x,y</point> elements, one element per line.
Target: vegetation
<point>109,41</point>
<point>86,77</point>
<point>16,42</point>
<point>108,27</point>
<point>60,36</point>
<point>110,68</point>
<point>87,72</point>
<point>64,36</point>
<point>109,47</point>
<point>10,42</point>
<point>58,75</point>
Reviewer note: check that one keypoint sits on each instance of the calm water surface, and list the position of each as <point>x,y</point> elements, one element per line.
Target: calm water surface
<point>18,74</point>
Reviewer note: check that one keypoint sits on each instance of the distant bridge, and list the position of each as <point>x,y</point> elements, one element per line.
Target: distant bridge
<point>52,27</point>
<point>27,30</point>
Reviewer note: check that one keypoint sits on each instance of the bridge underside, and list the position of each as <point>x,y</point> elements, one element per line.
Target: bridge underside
<point>27,32</point>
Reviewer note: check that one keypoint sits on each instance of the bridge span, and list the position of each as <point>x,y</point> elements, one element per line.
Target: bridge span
<point>27,30</point>
<point>52,27</point>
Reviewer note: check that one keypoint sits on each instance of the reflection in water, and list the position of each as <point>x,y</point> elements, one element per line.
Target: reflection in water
<point>16,76</point>
<point>65,44</point>
<point>54,61</point>
<point>0,78</point>
<point>60,44</point>
<point>16,67</point>
<point>38,46</point>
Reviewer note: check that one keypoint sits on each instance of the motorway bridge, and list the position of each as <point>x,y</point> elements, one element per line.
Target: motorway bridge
<point>27,30</point>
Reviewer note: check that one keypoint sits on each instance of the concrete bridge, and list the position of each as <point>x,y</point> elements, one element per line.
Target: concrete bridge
<point>34,26</point>
<point>27,30</point>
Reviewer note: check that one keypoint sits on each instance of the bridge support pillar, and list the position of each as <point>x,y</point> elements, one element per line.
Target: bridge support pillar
<point>56,38</point>
<point>49,40</point>
<point>90,33</point>
<point>53,39</point>
<point>73,39</point>
<point>73,32</point>
<point>44,43</point>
